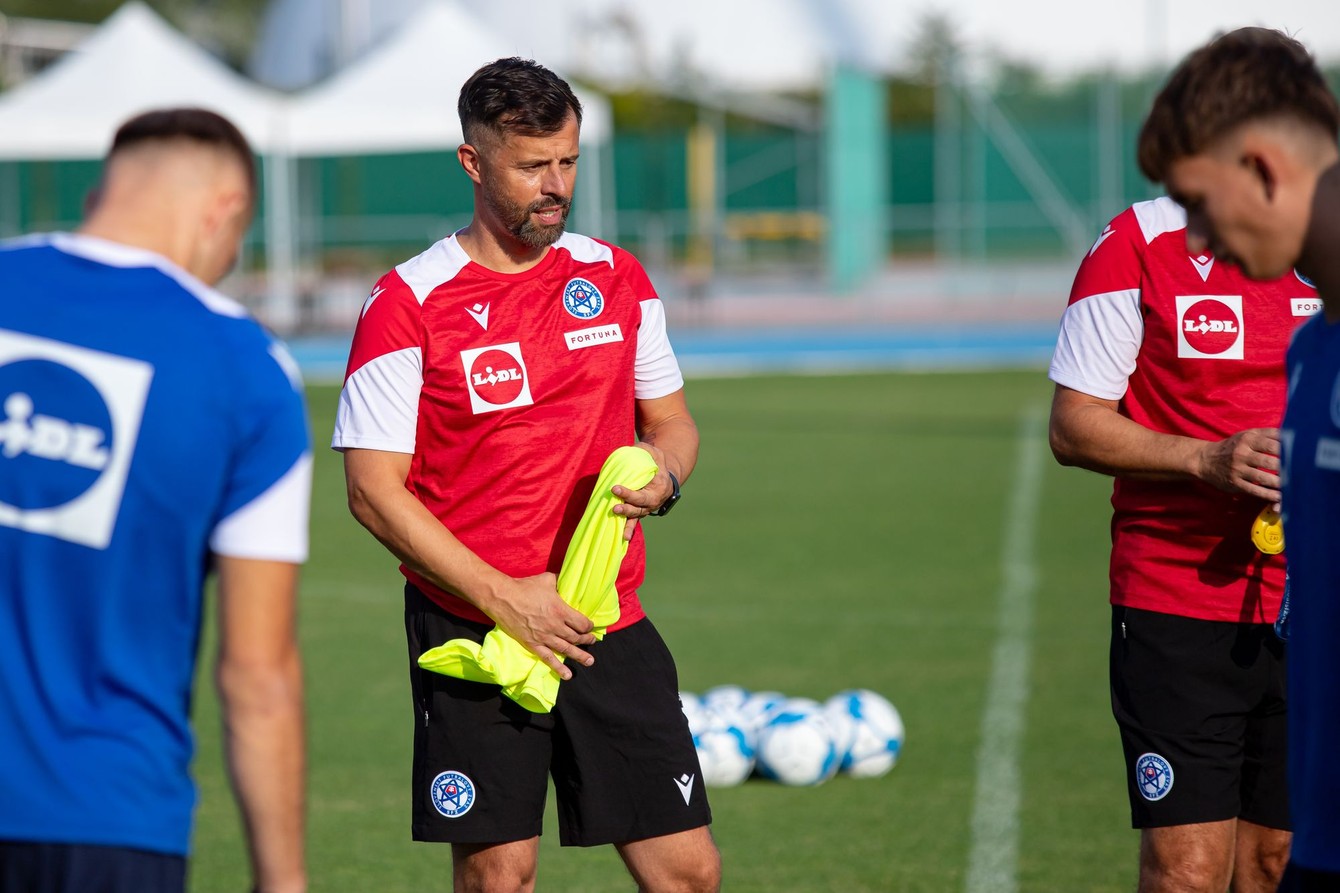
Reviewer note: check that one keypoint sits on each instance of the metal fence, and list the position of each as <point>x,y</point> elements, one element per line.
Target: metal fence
<point>993,177</point>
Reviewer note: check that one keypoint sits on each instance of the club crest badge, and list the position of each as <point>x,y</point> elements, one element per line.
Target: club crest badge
<point>582,299</point>
<point>1153,776</point>
<point>453,793</point>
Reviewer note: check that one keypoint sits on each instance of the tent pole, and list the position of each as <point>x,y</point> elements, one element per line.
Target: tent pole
<point>281,306</point>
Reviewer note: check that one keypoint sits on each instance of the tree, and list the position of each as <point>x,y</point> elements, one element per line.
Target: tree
<point>226,27</point>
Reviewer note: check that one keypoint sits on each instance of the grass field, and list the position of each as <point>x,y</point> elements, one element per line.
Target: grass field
<point>839,532</point>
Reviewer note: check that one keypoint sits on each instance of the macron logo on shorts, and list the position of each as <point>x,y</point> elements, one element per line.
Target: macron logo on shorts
<point>685,785</point>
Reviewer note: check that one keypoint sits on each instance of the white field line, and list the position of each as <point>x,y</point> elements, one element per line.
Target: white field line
<point>993,863</point>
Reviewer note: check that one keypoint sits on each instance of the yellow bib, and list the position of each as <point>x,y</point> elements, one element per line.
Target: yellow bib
<point>586,581</point>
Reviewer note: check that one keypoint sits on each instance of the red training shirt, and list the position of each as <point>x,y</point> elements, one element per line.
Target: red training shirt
<point>1189,347</point>
<point>510,390</point>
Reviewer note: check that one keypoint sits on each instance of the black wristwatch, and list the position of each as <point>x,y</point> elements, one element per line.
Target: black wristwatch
<point>669,500</point>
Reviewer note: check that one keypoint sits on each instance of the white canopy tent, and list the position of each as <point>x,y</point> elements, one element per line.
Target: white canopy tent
<point>135,62</point>
<point>401,96</point>
<point>691,45</point>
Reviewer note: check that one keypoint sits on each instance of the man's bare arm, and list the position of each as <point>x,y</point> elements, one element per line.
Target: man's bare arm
<point>259,677</point>
<point>528,609</point>
<point>1089,432</point>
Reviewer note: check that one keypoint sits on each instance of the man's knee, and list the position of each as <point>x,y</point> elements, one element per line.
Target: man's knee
<point>1184,874</point>
<point>705,876</point>
<point>506,868</point>
<point>1262,855</point>
<point>688,862</point>
<point>1186,859</point>
<point>697,876</point>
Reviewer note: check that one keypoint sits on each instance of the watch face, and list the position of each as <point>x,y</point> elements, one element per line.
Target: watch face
<point>668,504</point>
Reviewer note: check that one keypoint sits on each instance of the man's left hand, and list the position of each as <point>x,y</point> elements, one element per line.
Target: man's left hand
<point>639,504</point>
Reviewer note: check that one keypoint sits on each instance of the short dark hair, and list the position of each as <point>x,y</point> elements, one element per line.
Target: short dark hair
<point>515,95</point>
<point>1244,75</point>
<point>193,124</point>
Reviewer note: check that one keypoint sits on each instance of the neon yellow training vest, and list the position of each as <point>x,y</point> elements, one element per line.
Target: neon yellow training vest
<point>586,582</point>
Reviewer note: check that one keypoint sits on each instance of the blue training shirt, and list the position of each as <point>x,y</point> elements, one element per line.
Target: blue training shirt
<point>146,422</point>
<point>1310,482</point>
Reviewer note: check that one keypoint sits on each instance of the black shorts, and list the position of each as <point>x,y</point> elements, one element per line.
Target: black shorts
<point>1202,712</point>
<point>27,867</point>
<point>617,745</point>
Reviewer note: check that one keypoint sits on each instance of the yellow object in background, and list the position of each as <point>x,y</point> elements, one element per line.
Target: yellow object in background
<point>586,581</point>
<point>1268,531</point>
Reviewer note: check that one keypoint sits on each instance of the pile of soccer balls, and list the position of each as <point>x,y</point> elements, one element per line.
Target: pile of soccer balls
<point>796,741</point>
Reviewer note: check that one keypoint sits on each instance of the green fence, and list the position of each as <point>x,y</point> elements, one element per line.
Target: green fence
<point>949,190</point>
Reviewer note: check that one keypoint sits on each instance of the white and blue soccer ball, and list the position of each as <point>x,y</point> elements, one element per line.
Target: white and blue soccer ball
<point>868,731</point>
<point>694,711</point>
<point>725,702</point>
<point>796,745</point>
<point>754,714</point>
<point>724,754</point>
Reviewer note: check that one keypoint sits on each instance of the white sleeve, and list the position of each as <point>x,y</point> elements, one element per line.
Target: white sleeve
<point>655,371</point>
<point>379,406</point>
<point>273,526</point>
<point>1099,343</point>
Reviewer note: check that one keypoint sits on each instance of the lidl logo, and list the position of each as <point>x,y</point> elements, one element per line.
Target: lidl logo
<point>1209,327</point>
<point>69,420</point>
<point>496,377</point>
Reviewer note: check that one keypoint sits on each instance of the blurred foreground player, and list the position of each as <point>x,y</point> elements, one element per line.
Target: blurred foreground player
<point>1244,135</point>
<point>150,429</point>
<point>1169,373</point>
<point>489,379</point>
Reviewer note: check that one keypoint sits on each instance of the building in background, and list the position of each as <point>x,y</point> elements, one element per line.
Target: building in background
<point>301,42</point>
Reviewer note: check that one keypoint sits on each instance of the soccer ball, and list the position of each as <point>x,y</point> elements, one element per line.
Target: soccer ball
<point>725,756</point>
<point>796,746</point>
<point>868,731</point>
<point>694,711</point>
<point>725,702</point>
<point>754,714</point>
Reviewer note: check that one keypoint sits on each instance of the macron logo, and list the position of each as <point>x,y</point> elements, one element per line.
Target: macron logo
<point>480,314</point>
<point>1103,237</point>
<point>1203,264</point>
<point>685,785</point>
<point>368,303</point>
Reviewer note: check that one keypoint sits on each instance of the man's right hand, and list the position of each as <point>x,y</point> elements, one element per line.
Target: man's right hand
<point>1248,462</point>
<point>528,609</point>
<point>531,611</point>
